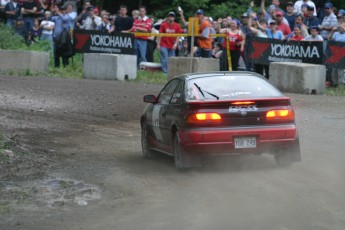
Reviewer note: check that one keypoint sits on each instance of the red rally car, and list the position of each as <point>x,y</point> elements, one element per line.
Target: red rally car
<point>216,113</point>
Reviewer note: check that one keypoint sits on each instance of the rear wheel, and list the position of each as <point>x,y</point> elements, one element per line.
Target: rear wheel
<point>147,152</point>
<point>288,155</point>
<point>182,158</point>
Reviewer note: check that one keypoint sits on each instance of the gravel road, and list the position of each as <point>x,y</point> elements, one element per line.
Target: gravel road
<point>80,166</point>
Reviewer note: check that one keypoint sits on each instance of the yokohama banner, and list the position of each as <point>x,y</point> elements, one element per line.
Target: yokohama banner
<point>335,55</point>
<point>263,51</point>
<point>93,41</point>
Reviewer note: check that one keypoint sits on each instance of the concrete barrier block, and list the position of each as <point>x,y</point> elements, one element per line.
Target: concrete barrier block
<point>181,65</point>
<point>17,60</point>
<point>110,66</point>
<point>298,77</point>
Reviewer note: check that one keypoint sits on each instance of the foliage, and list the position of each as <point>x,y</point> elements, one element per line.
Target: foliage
<point>9,40</point>
<point>337,91</point>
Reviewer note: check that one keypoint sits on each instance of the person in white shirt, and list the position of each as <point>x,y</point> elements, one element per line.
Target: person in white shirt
<point>72,14</point>
<point>314,35</point>
<point>92,22</point>
<point>300,6</point>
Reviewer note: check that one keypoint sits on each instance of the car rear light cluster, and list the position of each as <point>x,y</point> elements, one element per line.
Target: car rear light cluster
<point>204,117</point>
<point>282,114</point>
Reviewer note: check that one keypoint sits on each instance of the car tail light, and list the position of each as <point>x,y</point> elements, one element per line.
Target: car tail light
<point>204,117</point>
<point>282,114</point>
<point>243,103</point>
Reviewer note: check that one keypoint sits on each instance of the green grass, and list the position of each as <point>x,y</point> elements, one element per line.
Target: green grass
<point>337,91</point>
<point>157,77</point>
<point>73,70</point>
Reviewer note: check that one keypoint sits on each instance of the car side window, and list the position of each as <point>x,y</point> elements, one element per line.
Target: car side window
<point>166,94</point>
<point>177,96</point>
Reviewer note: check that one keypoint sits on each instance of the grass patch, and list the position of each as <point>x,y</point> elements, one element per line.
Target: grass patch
<point>157,77</point>
<point>337,91</point>
<point>73,70</point>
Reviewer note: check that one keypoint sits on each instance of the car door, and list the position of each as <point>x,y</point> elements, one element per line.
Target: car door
<point>160,110</point>
<point>173,112</point>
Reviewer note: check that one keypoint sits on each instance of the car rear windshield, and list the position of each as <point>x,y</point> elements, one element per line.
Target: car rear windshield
<point>227,87</point>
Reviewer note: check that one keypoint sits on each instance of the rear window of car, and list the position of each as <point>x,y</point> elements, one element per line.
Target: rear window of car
<point>227,87</point>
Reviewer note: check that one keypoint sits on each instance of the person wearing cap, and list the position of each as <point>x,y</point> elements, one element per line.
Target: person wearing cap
<point>310,20</point>
<point>168,45</point>
<point>341,16</point>
<point>272,11</point>
<point>204,40</point>
<point>314,35</point>
<point>329,21</point>
<point>92,22</point>
<point>12,10</point>
<point>236,39</point>
<point>290,15</point>
<point>300,6</point>
<point>28,11</point>
<point>285,28</point>
<point>272,32</point>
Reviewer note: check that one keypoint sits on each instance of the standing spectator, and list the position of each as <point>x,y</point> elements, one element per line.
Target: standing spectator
<point>168,45</point>
<point>61,30</point>
<point>12,10</point>
<point>84,13</point>
<point>329,21</point>
<point>259,68</point>
<point>300,22</point>
<point>105,26</point>
<point>28,11</point>
<point>300,6</point>
<point>285,28</point>
<point>92,22</point>
<point>74,4</point>
<point>72,14</point>
<point>47,27</point>
<point>141,24</point>
<point>35,32</point>
<point>338,33</point>
<point>314,35</point>
<point>151,42</point>
<point>122,21</point>
<point>272,32</point>
<point>297,36</point>
<point>204,39</point>
<point>341,16</point>
<point>290,15</point>
<point>235,39</point>
<point>135,14</point>
<point>311,20</point>
<point>3,3</point>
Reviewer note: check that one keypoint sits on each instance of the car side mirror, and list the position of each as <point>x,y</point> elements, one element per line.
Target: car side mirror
<point>150,99</point>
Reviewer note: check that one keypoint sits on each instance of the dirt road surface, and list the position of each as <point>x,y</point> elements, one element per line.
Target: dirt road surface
<point>77,164</point>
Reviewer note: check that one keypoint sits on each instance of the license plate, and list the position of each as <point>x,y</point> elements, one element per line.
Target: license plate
<point>245,142</point>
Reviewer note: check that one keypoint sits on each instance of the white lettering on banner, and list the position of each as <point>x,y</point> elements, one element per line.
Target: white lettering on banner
<point>294,51</point>
<point>111,41</point>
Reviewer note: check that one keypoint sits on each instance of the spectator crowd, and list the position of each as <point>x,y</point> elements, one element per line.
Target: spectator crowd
<point>55,21</point>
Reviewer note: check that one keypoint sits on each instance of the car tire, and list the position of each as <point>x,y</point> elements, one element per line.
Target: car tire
<point>147,152</point>
<point>288,155</point>
<point>182,158</point>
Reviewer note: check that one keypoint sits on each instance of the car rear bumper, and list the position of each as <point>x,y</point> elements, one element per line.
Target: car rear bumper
<point>221,140</point>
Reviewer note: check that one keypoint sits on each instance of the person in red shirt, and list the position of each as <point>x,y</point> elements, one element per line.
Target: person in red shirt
<point>143,25</point>
<point>167,45</point>
<point>297,36</point>
<point>283,27</point>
